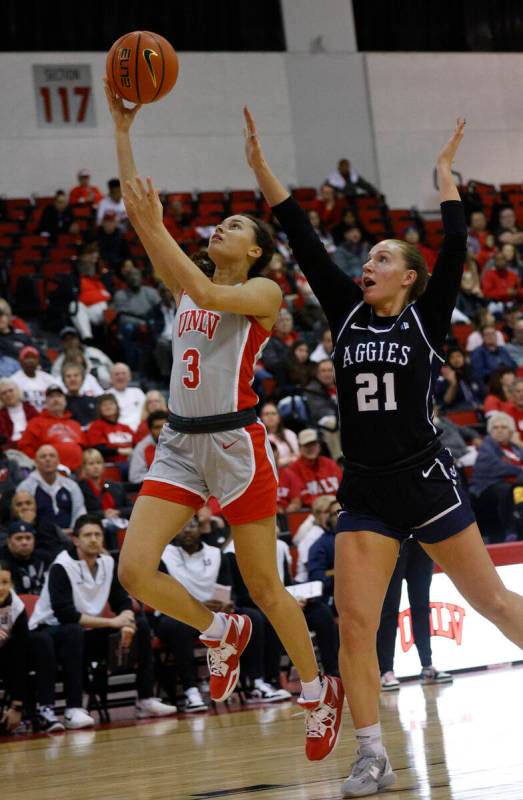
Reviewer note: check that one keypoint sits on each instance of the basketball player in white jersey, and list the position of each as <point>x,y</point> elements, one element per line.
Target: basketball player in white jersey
<point>214,444</point>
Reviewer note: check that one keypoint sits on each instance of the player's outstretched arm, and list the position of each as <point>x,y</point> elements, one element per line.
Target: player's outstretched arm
<point>123,118</point>
<point>446,183</point>
<point>271,188</point>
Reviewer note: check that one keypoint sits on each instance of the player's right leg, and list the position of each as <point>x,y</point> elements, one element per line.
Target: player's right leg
<point>364,565</point>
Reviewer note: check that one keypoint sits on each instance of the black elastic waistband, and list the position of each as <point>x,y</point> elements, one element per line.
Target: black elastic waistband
<point>416,460</point>
<point>214,424</point>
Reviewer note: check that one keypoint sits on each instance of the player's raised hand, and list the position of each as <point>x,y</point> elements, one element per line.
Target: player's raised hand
<point>142,203</point>
<point>253,149</point>
<point>123,117</point>
<point>448,153</point>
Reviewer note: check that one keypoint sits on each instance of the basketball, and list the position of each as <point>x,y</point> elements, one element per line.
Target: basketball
<point>142,67</point>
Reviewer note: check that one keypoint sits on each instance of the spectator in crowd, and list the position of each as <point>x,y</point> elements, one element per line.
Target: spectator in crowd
<point>8,366</point>
<point>349,220</point>
<point>57,217</point>
<point>514,408</point>
<point>284,440</point>
<point>411,235</point>
<point>175,219</point>
<point>136,305</point>
<point>316,474</point>
<point>90,386</point>
<point>108,499</point>
<point>143,453</point>
<point>15,413</point>
<point>320,559</point>
<point>55,426</point>
<point>113,247</point>
<point>352,253</point>
<point>512,258</point>
<point>85,192</point>
<point>470,298</point>
<point>289,488</point>
<point>515,347</point>
<point>348,182</point>
<point>324,348</point>
<point>475,339</point>
<point>500,284</point>
<point>71,605</point>
<point>321,231</point>
<point>81,406</point>
<point>12,340</point>
<point>489,356</point>
<point>278,271</point>
<point>58,499</point>
<point>278,347</point>
<point>93,297</point>
<point>499,391</point>
<point>130,398</point>
<point>113,201</point>
<point>111,438</point>
<point>508,230</point>
<point>97,363</point>
<point>322,402</point>
<point>163,351</point>
<point>481,242</point>
<point>10,477</point>
<point>498,468</point>
<point>213,529</point>
<point>461,440</point>
<point>321,522</point>
<point>154,401</point>
<point>28,566</point>
<point>511,315</point>
<point>31,379</point>
<point>457,389</point>
<point>329,207</point>
<point>13,651</point>
<point>298,369</point>
<point>49,537</point>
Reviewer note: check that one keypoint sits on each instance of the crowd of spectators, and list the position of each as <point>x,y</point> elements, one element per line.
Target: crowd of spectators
<point>82,406</point>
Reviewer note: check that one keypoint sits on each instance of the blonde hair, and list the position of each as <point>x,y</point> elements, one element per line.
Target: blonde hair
<point>91,451</point>
<point>145,411</point>
<point>4,305</point>
<point>414,260</point>
<point>323,503</point>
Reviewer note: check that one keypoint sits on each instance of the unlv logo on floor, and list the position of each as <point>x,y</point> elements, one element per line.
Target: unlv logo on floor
<point>446,619</point>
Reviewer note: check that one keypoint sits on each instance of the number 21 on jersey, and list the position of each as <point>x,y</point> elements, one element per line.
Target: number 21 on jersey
<point>366,394</point>
<point>192,377</point>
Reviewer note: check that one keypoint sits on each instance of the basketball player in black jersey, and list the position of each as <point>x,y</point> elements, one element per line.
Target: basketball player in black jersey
<point>398,480</point>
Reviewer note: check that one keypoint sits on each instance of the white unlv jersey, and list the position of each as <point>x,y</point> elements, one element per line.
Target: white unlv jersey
<point>214,354</point>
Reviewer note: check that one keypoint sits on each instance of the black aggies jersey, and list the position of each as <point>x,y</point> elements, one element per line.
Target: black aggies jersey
<point>385,372</point>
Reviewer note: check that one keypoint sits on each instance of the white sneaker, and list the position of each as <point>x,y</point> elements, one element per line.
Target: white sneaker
<point>389,682</point>
<point>369,775</point>
<point>194,701</point>
<point>263,692</point>
<point>432,675</point>
<point>76,718</point>
<point>153,707</point>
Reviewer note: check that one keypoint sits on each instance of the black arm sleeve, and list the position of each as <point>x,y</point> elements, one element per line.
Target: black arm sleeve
<point>437,302</point>
<point>119,600</point>
<point>18,647</point>
<point>61,594</point>
<point>224,575</point>
<point>336,292</point>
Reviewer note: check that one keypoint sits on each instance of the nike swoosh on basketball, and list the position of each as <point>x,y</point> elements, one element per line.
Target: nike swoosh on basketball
<point>226,446</point>
<point>147,53</point>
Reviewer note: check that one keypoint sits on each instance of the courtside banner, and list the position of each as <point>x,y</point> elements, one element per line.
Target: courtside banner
<point>461,638</point>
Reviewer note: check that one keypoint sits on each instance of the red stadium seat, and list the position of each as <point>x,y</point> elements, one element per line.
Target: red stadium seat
<point>54,268</point>
<point>33,240</point>
<point>301,193</point>
<point>112,472</point>
<point>26,255</point>
<point>461,333</point>
<point>211,197</point>
<point>242,195</point>
<point>9,227</point>
<point>463,417</point>
<point>243,207</point>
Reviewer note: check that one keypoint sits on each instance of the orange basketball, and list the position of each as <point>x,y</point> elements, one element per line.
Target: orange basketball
<point>142,67</point>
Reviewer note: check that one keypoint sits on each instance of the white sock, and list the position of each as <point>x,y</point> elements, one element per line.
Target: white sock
<point>370,737</point>
<point>217,627</point>
<point>311,690</point>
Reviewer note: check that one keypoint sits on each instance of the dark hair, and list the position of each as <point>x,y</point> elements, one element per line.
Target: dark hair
<point>156,415</point>
<point>4,567</point>
<point>495,386</point>
<point>415,261</point>
<point>114,183</point>
<point>203,261</point>
<point>280,432</point>
<point>87,519</point>
<point>104,398</point>
<point>265,241</point>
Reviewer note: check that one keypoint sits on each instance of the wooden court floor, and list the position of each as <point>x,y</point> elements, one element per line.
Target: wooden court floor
<point>462,741</point>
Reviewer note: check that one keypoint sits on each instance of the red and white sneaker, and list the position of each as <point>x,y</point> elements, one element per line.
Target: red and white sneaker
<point>323,719</point>
<point>223,656</point>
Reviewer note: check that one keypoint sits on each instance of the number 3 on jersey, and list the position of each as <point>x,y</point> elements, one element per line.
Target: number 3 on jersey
<point>366,394</point>
<point>191,380</point>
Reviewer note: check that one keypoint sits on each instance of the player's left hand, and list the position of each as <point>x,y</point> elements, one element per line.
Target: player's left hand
<point>448,153</point>
<point>253,148</point>
<point>142,203</point>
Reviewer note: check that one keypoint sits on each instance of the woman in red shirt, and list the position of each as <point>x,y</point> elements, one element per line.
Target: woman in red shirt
<point>113,439</point>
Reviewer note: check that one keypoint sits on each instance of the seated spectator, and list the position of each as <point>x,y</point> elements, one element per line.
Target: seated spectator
<point>512,258</point>
<point>97,363</point>
<point>55,426</point>
<point>85,192</point>
<point>108,499</point>
<point>514,408</point>
<point>81,406</point>
<point>508,230</point>
<point>475,339</point>
<point>28,566</point>
<point>321,522</point>
<point>31,379</point>
<point>457,389</point>
<point>320,563</point>
<point>163,351</point>
<point>352,253</point>
<point>57,217</point>
<point>278,347</point>
<point>15,413</point>
<point>329,207</point>
<point>470,300</point>
<point>137,305</point>
<point>499,391</point>
<point>111,438</point>
<point>278,271</point>
<point>489,356</point>
<point>317,475</point>
<point>499,467</point>
<point>511,316</point>
<point>349,220</point>
<point>322,401</point>
<point>154,401</point>
<point>176,220</point>
<point>143,453</point>
<point>297,370</point>
<point>13,652</point>
<point>325,347</point>
<point>515,347</point>
<point>12,340</point>
<point>348,182</point>
<point>411,235</point>
<point>288,496</point>
<point>481,241</point>
<point>285,441</point>
<point>10,477</point>
<point>58,499</point>
<point>322,233</point>
<point>8,366</point>
<point>69,623</point>
<point>130,398</point>
<point>113,246</point>
<point>113,201</point>
<point>500,283</point>
<point>49,537</point>
<point>462,441</point>
<point>213,529</point>
<point>93,298</point>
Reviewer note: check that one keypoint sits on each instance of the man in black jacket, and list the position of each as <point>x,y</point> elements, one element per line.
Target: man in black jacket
<point>28,566</point>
